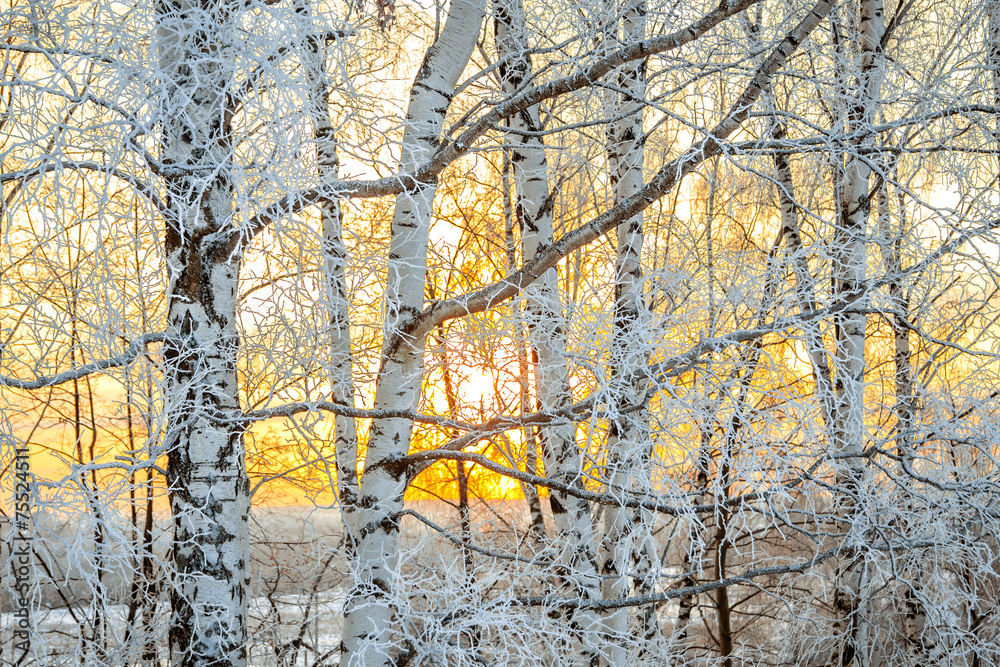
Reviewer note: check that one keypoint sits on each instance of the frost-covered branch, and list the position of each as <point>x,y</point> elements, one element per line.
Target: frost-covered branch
<point>135,348</point>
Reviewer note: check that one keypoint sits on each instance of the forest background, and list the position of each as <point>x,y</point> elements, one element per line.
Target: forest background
<point>617,332</point>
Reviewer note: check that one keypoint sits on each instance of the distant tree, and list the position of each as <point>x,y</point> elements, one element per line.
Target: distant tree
<point>728,273</point>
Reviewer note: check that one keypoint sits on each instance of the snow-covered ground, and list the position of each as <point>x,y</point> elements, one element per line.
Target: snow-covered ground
<point>273,621</point>
<point>298,582</point>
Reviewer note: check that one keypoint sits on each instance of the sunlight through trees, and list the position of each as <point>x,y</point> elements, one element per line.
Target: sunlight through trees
<point>511,333</point>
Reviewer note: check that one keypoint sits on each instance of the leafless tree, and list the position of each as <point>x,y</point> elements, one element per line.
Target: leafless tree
<point>690,310</point>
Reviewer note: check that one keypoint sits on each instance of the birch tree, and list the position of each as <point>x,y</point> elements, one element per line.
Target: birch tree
<point>546,331</point>
<point>210,493</point>
<point>754,246</point>
<point>849,263</point>
<point>334,257</point>
<point>368,615</point>
<point>622,549</point>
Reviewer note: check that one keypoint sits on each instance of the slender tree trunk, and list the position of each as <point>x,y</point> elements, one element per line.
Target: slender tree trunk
<point>805,288</point>
<point>700,535</point>
<point>461,476</point>
<point>687,603</point>
<point>451,396</point>
<point>368,610</point>
<point>626,541</point>
<point>206,469</point>
<point>570,515</point>
<point>538,531</point>
<point>101,594</point>
<point>537,526</point>
<point>151,590</point>
<point>890,244</point>
<point>334,255</point>
<point>849,266</point>
<point>143,593</point>
<point>464,512</point>
<point>723,542</point>
<point>93,633</point>
<point>135,598</point>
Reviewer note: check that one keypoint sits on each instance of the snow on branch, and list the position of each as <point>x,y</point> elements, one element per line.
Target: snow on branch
<point>455,148</point>
<point>135,348</point>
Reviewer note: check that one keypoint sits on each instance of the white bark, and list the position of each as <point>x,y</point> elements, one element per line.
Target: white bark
<point>530,491</point>
<point>570,515</point>
<point>206,472</point>
<point>849,266</point>
<point>805,288</point>
<point>920,643</point>
<point>626,542</point>
<point>334,261</point>
<point>81,106</point>
<point>368,611</point>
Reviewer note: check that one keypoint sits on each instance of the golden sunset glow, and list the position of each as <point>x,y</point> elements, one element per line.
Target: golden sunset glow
<point>499,332</point>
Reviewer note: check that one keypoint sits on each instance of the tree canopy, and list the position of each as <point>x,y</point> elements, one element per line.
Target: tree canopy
<point>580,333</point>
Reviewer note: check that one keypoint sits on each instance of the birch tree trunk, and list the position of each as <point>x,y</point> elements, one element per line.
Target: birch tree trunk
<point>625,541</point>
<point>570,515</point>
<point>334,256</point>
<point>206,471</point>
<point>701,530</point>
<point>537,525</point>
<point>368,610</point>
<point>849,264</point>
<point>805,288</point>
